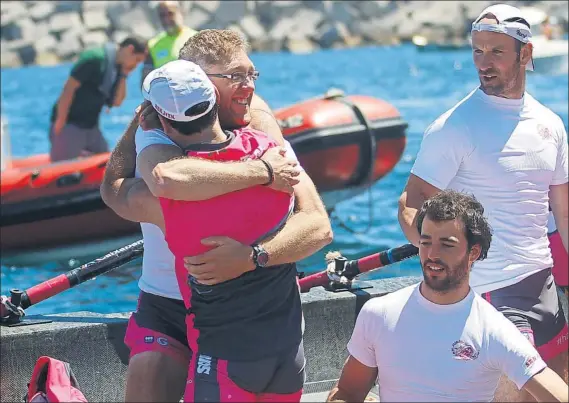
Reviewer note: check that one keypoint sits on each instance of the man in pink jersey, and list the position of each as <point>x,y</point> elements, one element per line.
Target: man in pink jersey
<point>245,330</point>
<point>156,333</point>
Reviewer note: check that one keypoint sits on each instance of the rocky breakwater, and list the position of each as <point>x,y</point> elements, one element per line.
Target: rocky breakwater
<point>42,32</point>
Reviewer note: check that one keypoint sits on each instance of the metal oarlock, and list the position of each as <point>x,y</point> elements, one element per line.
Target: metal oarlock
<point>13,313</point>
<point>341,275</point>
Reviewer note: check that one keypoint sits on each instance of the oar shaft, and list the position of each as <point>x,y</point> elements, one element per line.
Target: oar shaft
<point>88,271</point>
<point>367,263</point>
<point>386,257</point>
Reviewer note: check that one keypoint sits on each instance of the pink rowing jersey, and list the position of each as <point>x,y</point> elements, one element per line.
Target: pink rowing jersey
<point>247,216</point>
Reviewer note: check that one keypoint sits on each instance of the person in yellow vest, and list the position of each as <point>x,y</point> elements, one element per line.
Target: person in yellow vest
<point>165,46</point>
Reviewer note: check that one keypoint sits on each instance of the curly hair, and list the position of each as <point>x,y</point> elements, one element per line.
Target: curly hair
<point>451,205</point>
<point>213,46</point>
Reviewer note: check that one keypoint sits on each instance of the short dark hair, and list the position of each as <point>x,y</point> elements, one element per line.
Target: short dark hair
<point>450,205</point>
<point>138,43</point>
<point>195,126</point>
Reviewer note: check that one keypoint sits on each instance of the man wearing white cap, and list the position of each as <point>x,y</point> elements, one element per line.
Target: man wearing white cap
<point>157,371</point>
<point>244,327</point>
<point>500,144</point>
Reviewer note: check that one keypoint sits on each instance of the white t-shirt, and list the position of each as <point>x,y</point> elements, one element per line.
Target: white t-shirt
<point>507,152</point>
<point>551,227</point>
<point>158,274</point>
<point>446,353</point>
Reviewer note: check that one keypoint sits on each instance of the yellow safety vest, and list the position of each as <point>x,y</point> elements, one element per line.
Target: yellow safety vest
<point>164,48</point>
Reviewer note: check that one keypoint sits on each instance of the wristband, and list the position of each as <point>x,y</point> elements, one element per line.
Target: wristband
<point>271,172</point>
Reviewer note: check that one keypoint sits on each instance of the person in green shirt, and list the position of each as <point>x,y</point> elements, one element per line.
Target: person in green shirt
<point>97,79</point>
<point>165,46</point>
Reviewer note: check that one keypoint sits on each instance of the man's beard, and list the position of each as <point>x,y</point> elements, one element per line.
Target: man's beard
<point>502,86</point>
<point>453,277</point>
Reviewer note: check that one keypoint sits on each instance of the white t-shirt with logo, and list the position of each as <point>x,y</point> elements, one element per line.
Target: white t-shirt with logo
<point>158,274</point>
<point>507,152</point>
<point>426,352</point>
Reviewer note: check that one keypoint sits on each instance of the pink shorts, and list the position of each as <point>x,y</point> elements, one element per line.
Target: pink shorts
<point>560,268</point>
<point>274,379</point>
<point>159,324</point>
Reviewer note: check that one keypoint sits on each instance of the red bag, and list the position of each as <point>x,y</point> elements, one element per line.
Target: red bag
<point>53,381</point>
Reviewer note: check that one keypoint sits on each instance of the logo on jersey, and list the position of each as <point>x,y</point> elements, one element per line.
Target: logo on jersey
<point>530,361</point>
<point>162,341</point>
<point>204,364</point>
<point>464,351</point>
<point>544,132</point>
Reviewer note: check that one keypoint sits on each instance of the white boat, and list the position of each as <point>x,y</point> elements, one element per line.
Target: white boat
<point>550,55</point>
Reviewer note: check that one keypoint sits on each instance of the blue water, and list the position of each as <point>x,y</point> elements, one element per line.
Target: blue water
<point>420,85</point>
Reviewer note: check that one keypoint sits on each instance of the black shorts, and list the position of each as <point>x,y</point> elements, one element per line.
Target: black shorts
<point>159,324</point>
<point>274,379</point>
<point>533,305</point>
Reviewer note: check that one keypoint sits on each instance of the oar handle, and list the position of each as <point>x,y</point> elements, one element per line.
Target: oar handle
<point>352,268</point>
<point>102,265</point>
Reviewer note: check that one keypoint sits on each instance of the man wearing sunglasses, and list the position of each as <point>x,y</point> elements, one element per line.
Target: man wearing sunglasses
<point>166,46</point>
<point>510,151</point>
<point>158,370</point>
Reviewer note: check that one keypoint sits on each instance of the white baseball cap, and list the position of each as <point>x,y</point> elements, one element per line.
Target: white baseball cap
<point>176,87</point>
<point>510,22</point>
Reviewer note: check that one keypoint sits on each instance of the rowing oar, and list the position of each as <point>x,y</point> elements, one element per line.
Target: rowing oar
<point>12,310</point>
<point>341,272</point>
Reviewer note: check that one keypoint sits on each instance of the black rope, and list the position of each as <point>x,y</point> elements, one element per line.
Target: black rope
<point>369,180</point>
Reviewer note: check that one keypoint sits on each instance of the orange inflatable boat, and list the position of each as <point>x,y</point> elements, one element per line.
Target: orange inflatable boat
<point>344,143</point>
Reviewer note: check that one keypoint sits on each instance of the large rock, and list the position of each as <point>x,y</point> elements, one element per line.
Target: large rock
<point>134,21</point>
<point>96,20</point>
<point>374,31</point>
<point>22,29</point>
<point>342,11</point>
<point>94,38</point>
<point>374,8</point>
<point>119,36</point>
<point>63,6</point>
<point>12,11</point>
<point>68,47</point>
<point>88,5</point>
<point>303,24</point>
<point>229,12</point>
<point>270,12</point>
<point>45,43</point>
<point>197,18</point>
<point>42,10</point>
<point>47,59</point>
<point>210,6</point>
<point>10,59</point>
<point>330,34</point>
<point>68,21</point>
<point>24,48</point>
<point>302,45</point>
<point>252,28</point>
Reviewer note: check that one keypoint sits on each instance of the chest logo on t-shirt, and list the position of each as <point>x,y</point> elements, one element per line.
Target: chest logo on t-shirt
<point>464,351</point>
<point>543,131</point>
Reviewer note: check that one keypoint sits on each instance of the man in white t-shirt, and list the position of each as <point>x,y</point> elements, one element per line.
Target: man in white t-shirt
<point>439,340</point>
<point>500,144</point>
<point>156,333</point>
